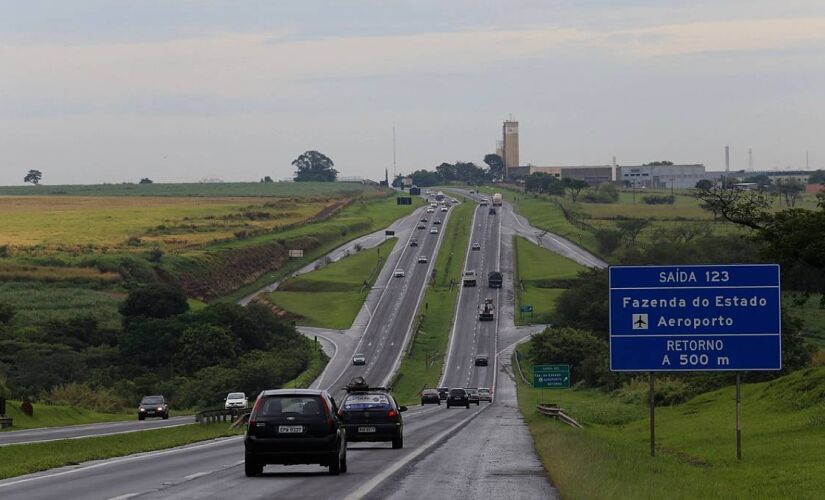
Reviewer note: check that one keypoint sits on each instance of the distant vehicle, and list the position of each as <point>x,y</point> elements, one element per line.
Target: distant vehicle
<point>153,406</point>
<point>423,219</point>
<point>422,259</point>
<point>486,311</point>
<point>439,196</point>
<point>476,246</point>
<point>497,199</point>
<point>295,426</point>
<point>443,392</point>
<point>437,222</point>
<point>445,209</point>
<point>430,396</point>
<point>413,242</point>
<point>415,191</point>
<point>458,397</point>
<point>481,360</point>
<point>433,230</point>
<point>371,414</point>
<point>469,278</point>
<point>484,394</point>
<point>495,279</point>
<point>483,202</point>
<point>430,210</point>
<point>399,273</point>
<point>359,359</point>
<point>236,400</point>
<point>472,395</point>
<point>421,226</point>
<point>492,211</point>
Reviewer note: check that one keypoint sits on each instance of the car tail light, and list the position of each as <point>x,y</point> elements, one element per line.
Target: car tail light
<point>254,413</point>
<point>327,413</point>
<point>392,414</point>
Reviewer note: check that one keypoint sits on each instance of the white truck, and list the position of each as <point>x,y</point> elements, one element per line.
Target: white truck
<point>497,200</point>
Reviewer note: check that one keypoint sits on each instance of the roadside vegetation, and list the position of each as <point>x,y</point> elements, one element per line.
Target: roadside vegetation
<point>59,415</point>
<point>331,296</point>
<point>540,277</point>
<point>16,460</point>
<point>695,441</point>
<point>422,363</point>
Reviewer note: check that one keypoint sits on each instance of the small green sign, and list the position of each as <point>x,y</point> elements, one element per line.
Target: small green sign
<point>526,309</point>
<point>551,376</point>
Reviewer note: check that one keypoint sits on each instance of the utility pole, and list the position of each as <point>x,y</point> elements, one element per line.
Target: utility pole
<point>394,174</point>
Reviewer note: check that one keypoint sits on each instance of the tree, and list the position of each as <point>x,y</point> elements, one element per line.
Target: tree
<point>33,177</point>
<point>313,166</point>
<point>790,189</point>
<point>145,180</point>
<point>631,228</point>
<point>574,187</point>
<point>398,182</point>
<point>267,179</point>
<point>586,354</point>
<point>762,181</point>
<point>154,301</point>
<point>817,177</point>
<point>495,166</point>
<point>745,208</point>
<point>426,178</point>
<point>585,305</point>
<point>703,184</point>
<point>202,346</point>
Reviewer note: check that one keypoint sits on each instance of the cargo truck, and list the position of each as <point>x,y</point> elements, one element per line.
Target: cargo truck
<point>497,200</point>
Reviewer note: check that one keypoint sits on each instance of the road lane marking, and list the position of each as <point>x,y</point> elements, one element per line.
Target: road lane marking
<point>153,428</point>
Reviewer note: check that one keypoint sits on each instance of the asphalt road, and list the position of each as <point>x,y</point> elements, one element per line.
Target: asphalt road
<point>90,430</point>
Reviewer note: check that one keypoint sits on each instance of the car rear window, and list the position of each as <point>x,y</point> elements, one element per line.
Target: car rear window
<point>306,406</point>
<point>236,395</point>
<point>457,392</point>
<point>367,402</point>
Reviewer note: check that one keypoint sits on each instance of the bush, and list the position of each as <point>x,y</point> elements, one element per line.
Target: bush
<point>659,200</point>
<point>667,391</point>
<point>605,193</point>
<point>586,354</point>
<point>83,396</point>
<point>608,240</point>
<point>154,301</point>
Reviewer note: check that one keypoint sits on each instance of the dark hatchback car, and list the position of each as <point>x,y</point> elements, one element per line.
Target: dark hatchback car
<point>472,395</point>
<point>430,396</point>
<point>295,426</point>
<point>153,406</point>
<point>371,414</point>
<point>443,392</point>
<point>458,397</point>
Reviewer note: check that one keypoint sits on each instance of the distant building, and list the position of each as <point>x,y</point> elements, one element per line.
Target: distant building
<point>593,175</point>
<point>510,146</point>
<point>663,176</point>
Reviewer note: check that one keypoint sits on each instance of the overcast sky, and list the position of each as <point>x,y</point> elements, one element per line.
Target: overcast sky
<point>111,91</point>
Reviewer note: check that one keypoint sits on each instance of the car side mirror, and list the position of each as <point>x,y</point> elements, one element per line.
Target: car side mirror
<point>402,409</point>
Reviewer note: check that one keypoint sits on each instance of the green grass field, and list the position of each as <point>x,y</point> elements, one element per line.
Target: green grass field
<point>36,303</point>
<point>16,460</point>
<point>331,297</point>
<point>696,448</point>
<point>250,189</point>
<point>539,272</point>
<point>424,361</point>
<point>58,416</point>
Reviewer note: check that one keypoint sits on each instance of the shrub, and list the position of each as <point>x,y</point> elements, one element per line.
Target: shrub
<point>83,396</point>
<point>155,254</point>
<point>608,239</point>
<point>585,353</point>
<point>4,251</point>
<point>659,200</point>
<point>666,391</point>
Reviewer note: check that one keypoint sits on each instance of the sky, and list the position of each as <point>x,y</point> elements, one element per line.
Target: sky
<point>98,91</point>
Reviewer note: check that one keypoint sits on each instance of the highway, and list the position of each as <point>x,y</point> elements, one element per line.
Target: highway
<point>90,430</point>
<point>455,453</point>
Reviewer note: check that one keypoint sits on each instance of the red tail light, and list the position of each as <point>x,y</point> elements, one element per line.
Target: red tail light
<point>327,412</point>
<point>392,414</point>
<point>255,409</point>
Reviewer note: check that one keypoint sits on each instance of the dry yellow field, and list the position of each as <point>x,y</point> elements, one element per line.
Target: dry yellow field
<point>62,222</point>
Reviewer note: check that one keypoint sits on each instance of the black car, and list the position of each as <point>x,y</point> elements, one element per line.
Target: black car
<point>443,392</point>
<point>371,414</point>
<point>413,242</point>
<point>153,406</point>
<point>430,396</point>
<point>458,397</point>
<point>295,426</point>
<point>481,360</point>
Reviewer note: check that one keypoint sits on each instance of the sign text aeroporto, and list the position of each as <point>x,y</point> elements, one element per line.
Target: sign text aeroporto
<point>695,318</point>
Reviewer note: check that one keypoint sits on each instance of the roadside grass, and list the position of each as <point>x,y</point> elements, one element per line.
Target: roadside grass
<point>331,296</point>
<point>195,189</point>
<point>424,360</point>
<point>16,460</point>
<point>354,221</point>
<point>58,416</point>
<point>540,278</point>
<point>696,447</point>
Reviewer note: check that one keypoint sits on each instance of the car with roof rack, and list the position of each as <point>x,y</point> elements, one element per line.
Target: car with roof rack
<point>371,414</point>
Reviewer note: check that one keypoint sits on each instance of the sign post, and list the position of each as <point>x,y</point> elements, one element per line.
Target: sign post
<point>695,318</point>
<point>526,309</point>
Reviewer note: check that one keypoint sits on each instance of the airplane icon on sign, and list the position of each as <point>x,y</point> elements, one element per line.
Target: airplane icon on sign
<point>640,321</point>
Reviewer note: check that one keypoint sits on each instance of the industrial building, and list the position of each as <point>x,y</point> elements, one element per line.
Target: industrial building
<point>663,176</point>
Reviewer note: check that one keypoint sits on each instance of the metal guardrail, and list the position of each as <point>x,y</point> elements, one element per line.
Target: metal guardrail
<point>553,410</point>
<point>221,415</point>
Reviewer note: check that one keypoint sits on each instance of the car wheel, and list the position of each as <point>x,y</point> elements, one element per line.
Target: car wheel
<point>165,416</point>
<point>252,468</point>
<point>398,442</point>
<point>468,406</point>
<point>344,461</point>
<point>141,417</point>
<point>335,466</point>
<point>439,402</point>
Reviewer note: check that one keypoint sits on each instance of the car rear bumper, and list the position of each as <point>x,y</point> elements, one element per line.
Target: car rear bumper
<point>291,451</point>
<point>383,432</point>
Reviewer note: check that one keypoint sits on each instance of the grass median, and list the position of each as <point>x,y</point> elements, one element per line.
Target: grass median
<point>696,448</point>
<point>16,460</point>
<point>57,416</point>
<point>541,276</point>
<point>424,359</point>
<point>331,296</point>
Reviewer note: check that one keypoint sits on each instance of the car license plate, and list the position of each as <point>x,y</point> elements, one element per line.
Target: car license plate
<point>366,429</point>
<point>290,429</point>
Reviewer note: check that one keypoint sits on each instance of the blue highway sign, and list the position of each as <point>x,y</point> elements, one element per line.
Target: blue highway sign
<point>695,318</point>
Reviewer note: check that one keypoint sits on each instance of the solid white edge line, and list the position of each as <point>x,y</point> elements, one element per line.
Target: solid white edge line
<point>317,382</point>
<point>87,436</point>
<point>127,458</point>
<point>376,481</point>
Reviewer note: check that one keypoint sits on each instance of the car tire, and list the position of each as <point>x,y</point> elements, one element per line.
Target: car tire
<point>344,461</point>
<point>141,417</point>
<point>252,468</point>
<point>398,442</point>
<point>165,416</point>
<point>439,402</point>
<point>468,406</point>
<point>335,466</point>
